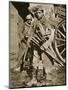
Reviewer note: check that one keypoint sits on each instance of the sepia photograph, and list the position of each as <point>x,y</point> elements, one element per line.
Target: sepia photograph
<point>37,44</point>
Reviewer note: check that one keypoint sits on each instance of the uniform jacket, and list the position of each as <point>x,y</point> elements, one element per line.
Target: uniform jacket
<point>46,28</point>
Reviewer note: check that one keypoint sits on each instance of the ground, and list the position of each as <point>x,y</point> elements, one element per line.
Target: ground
<point>55,77</point>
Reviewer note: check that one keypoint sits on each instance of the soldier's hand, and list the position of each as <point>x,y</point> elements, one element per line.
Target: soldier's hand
<point>28,44</point>
<point>42,48</point>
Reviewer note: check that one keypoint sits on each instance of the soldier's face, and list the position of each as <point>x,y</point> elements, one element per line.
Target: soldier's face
<point>29,21</point>
<point>39,14</point>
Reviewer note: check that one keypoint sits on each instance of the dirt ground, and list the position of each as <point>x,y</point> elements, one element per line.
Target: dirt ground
<point>55,77</point>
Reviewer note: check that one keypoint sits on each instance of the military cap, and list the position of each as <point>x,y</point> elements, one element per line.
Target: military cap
<point>36,8</point>
<point>29,17</point>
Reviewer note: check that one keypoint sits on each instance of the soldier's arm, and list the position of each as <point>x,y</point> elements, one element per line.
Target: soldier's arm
<point>21,33</point>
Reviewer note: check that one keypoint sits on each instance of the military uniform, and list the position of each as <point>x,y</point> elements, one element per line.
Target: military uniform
<point>44,35</point>
<point>23,45</point>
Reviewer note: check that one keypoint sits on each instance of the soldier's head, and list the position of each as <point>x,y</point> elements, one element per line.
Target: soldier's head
<point>29,18</point>
<point>39,12</point>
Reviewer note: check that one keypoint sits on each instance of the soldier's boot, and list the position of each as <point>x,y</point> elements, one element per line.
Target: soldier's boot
<point>34,78</point>
<point>41,74</point>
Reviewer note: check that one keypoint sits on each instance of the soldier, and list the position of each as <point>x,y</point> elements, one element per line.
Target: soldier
<point>42,39</point>
<point>24,42</point>
<point>26,34</point>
